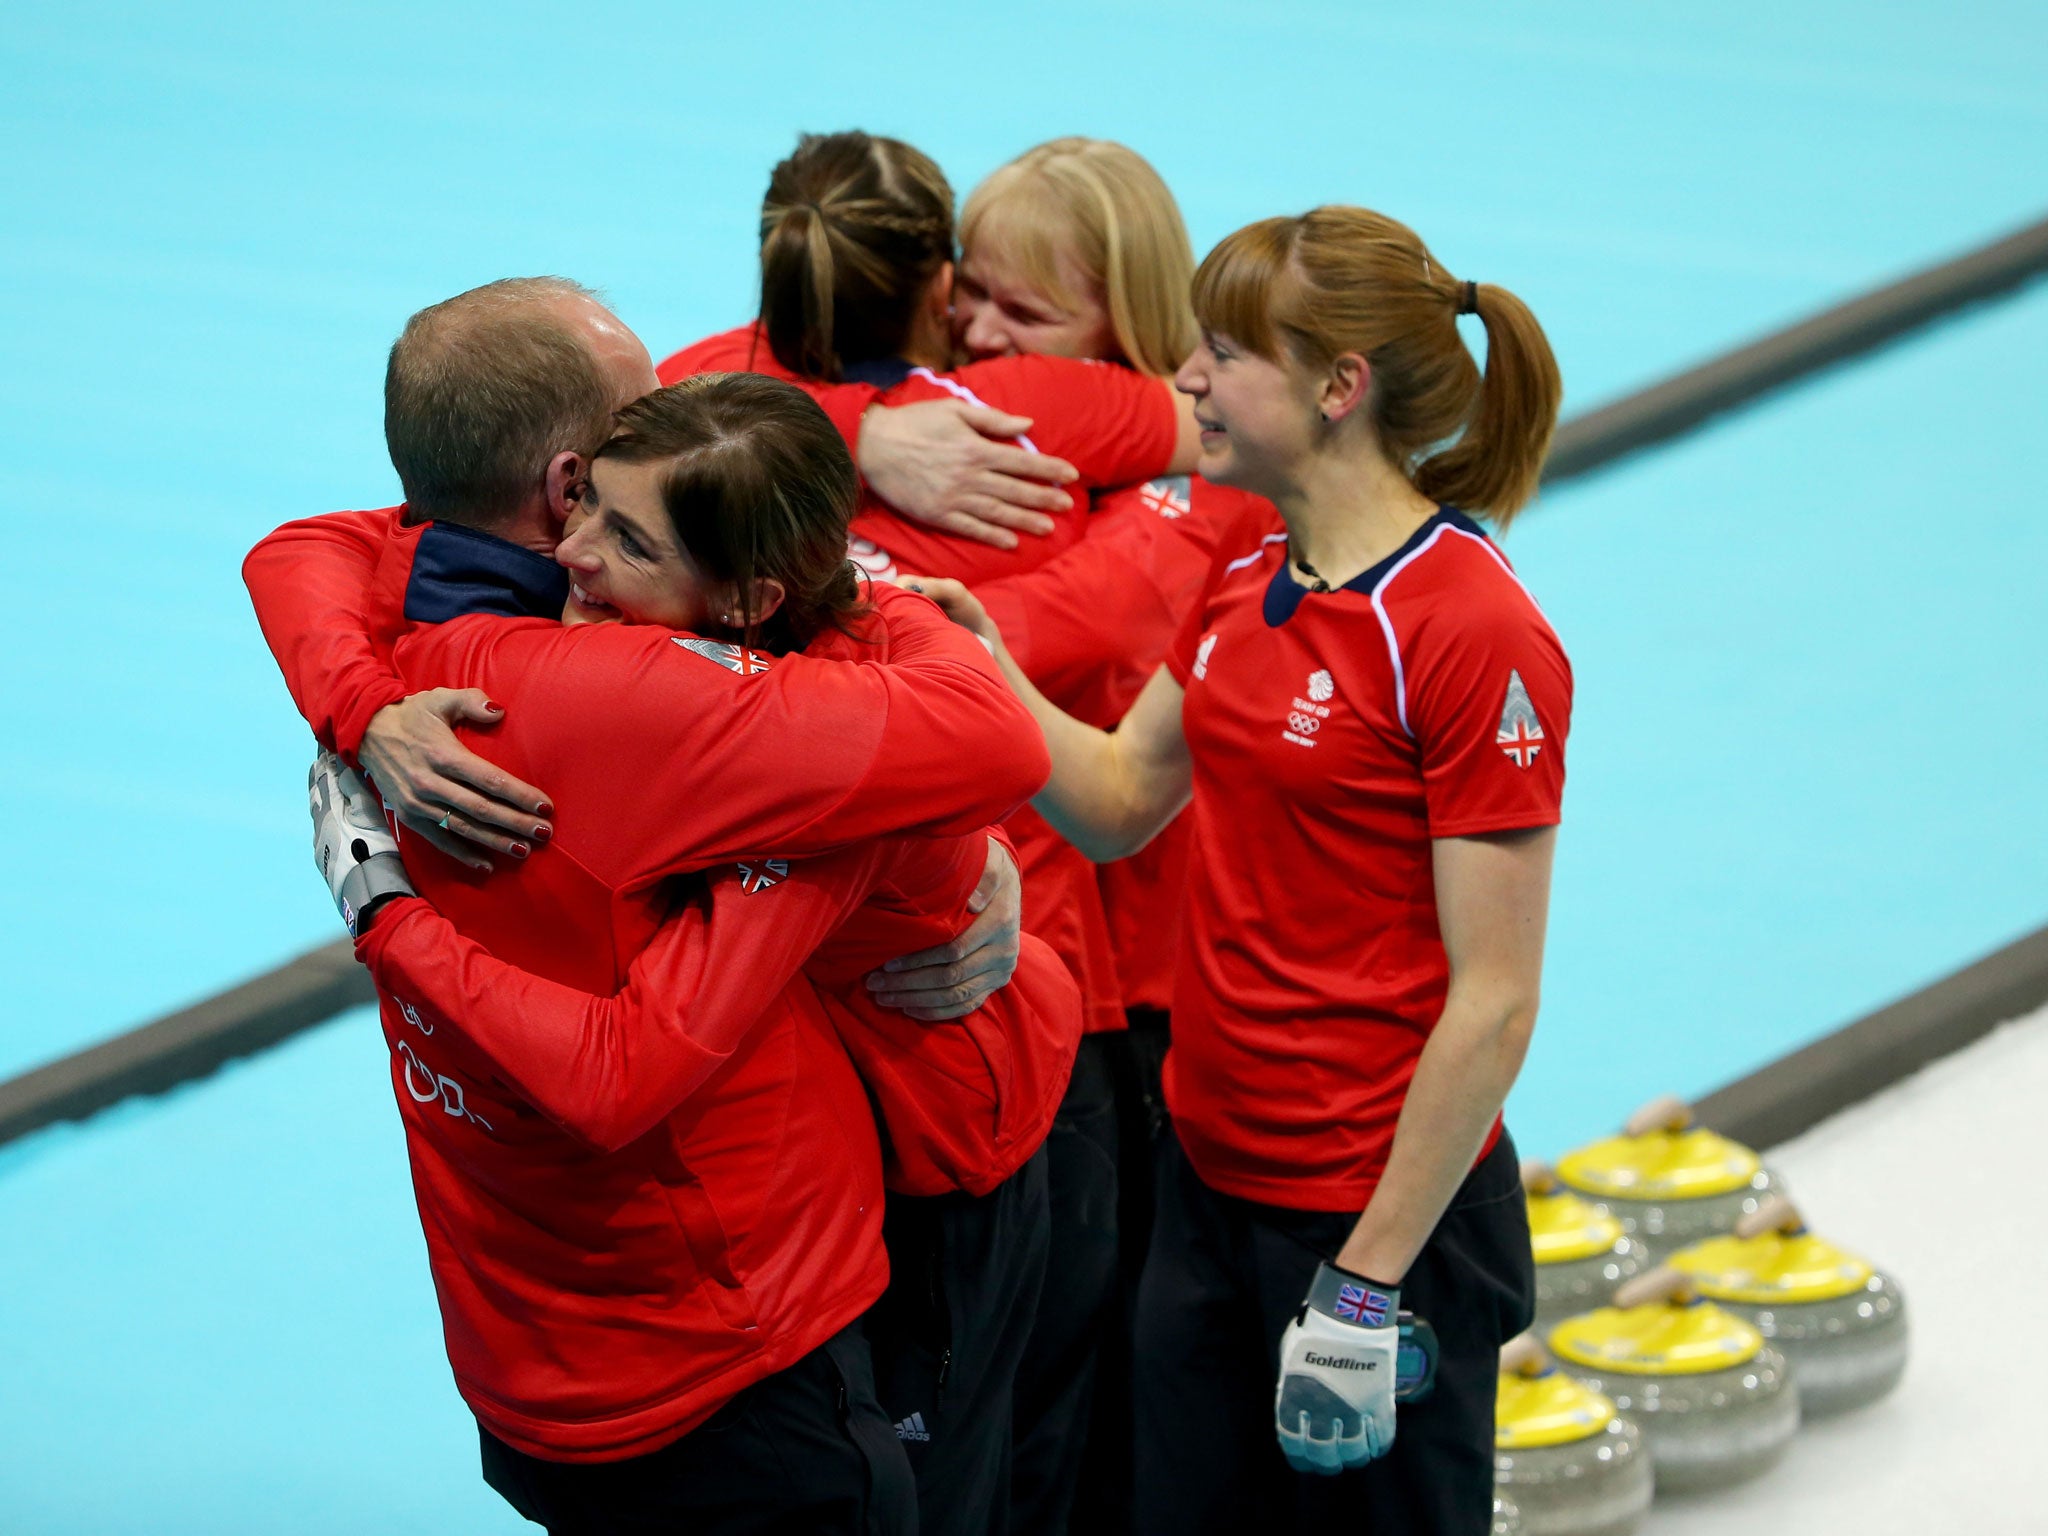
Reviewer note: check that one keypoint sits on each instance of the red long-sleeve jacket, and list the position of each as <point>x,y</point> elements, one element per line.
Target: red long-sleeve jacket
<point>963,1103</point>
<point>604,1288</point>
<point>1115,426</point>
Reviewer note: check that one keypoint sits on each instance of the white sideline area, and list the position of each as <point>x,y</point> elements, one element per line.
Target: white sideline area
<point>1938,1181</point>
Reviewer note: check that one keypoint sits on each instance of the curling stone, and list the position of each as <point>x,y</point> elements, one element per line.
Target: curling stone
<point>1582,1253</point>
<point>1668,1181</point>
<point>1507,1519</point>
<point>1715,1403</point>
<point>1572,1464</point>
<point>1841,1323</point>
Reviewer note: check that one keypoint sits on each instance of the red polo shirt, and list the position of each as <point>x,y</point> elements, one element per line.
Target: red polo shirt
<point>1334,736</point>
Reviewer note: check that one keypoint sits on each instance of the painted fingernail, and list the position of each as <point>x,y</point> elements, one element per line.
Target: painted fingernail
<point>520,850</point>
<point>546,809</point>
<point>493,707</point>
<point>542,832</point>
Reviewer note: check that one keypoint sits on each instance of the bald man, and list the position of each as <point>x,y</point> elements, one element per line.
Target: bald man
<point>626,1363</point>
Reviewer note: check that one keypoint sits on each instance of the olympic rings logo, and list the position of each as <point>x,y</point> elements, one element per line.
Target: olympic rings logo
<point>1304,725</point>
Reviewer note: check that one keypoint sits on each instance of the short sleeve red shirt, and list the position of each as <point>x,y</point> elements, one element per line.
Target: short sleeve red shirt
<point>1333,736</point>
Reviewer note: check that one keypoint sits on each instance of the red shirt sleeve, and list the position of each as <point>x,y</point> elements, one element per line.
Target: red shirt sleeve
<point>1113,424</point>
<point>609,1069</point>
<point>744,349</point>
<point>1489,697</point>
<point>966,1099</point>
<point>309,581</point>
<point>1091,626</point>
<point>794,755</point>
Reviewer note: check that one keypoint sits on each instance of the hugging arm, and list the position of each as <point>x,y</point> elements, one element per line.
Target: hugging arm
<point>310,582</point>
<point>797,755</point>
<point>609,1069</point>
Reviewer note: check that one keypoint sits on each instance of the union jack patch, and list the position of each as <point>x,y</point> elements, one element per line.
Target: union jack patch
<point>1360,1304</point>
<point>1521,734</point>
<point>734,658</point>
<point>1171,497</point>
<point>758,878</point>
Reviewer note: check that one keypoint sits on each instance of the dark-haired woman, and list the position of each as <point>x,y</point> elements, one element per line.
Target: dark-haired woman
<point>857,286</point>
<point>1369,713</point>
<point>720,507</point>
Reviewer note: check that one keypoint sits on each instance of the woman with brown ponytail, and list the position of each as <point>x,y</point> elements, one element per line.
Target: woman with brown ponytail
<point>856,292</point>
<point>856,288</point>
<point>1369,713</point>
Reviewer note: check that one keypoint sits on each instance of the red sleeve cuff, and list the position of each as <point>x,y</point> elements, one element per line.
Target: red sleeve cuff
<point>352,722</point>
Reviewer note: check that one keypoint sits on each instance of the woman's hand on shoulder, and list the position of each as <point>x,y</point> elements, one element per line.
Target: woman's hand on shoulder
<point>457,801</point>
<point>953,466</point>
<point>958,603</point>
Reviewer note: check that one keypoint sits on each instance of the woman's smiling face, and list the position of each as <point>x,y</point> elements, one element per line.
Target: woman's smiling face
<point>998,312</point>
<point>624,560</point>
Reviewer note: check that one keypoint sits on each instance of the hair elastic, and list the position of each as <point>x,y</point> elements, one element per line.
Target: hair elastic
<point>1468,300</point>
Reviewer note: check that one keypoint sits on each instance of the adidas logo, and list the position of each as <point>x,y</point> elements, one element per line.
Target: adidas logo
<point>913,1428</point>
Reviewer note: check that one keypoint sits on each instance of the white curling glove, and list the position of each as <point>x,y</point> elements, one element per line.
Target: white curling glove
<point>1334,1408</point>
<point>352,842</point>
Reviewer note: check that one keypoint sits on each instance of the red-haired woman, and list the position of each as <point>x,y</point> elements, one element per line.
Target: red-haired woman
<point>1369,713</point>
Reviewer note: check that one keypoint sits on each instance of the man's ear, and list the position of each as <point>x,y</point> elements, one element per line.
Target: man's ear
<point>1344,386</point>
<point>567,473</point>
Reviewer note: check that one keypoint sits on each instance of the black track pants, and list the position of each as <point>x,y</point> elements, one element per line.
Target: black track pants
<point>1222,1280</point>
<point>948,1336</point>
<point>1102,1503</point>
<point>1056,1384</point>
<point>807,1450</point>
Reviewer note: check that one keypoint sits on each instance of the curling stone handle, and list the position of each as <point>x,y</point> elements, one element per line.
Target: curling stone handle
<point>1524,1355</point>
<point>1777,1214</point>
<point>1538,1177</point>
<point>1662,1284</point>
<point>1669,1113</point>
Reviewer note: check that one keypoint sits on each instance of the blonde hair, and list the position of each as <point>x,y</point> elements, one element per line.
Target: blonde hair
<point>1103,205</point>
<point>1337,280</point>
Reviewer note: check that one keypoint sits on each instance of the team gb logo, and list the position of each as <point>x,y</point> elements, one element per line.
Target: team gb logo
<point>1321,686</point>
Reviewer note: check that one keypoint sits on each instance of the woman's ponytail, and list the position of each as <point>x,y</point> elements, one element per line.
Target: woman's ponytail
<point>1497,460</point>
<point>796,288</point>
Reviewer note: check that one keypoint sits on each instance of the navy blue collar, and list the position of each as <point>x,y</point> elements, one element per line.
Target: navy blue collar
<point>458,570</point>
<point>1284,593</point>
<point>882,372</point>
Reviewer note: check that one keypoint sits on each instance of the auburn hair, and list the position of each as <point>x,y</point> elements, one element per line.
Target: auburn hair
<point>1336,280</point>
<point>1102,207</point>
<point>759,484</point>
<point>853,230</point>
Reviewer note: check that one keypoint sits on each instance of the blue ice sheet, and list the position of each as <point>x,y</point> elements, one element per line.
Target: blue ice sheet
<point>218,1319</point>
<point>220,215</point>
<point>1806,766</point>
